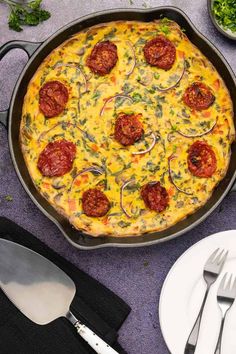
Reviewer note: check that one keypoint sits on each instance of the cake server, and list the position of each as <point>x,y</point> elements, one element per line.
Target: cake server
<point>41,290</point>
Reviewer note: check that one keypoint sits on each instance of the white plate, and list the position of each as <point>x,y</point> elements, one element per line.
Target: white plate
<point>182,295</point>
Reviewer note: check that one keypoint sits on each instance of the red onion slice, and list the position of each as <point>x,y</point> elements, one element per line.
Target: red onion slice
<point>134,58</point>
<point>154,140</point>
<point>176,83</point>
<point>195,135</point>
<point>57,198</point>
<point>68,124</point>
<point>124,185</point>
<point>171,178</point>
<point>76,66</point>
<point>56,184</point>
<point>42,135</point>
<point>147,79</point>
<point>96,169</point>
<point>112,98</point>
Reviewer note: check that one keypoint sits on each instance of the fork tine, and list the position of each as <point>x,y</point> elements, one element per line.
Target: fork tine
<point>223,259</point>
<point>212,256</point>
<point>228,285</point>
<point>223,281</point>
<point>218,257</point>
<point>234,284</point>
<point>234,287</point>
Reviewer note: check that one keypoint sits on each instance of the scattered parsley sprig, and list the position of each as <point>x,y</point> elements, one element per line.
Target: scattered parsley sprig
<point>27,13</point>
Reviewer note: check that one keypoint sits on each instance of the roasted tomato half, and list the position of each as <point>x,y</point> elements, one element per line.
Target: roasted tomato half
<point>53,97</point>
<point>95,203</point>
<point>128,128</point>
<point>160,52</point>
<point>198,96</point>
<point>201,160</point>
<point>102,58</point>
<point>155,196</point>
<point>57,158</point>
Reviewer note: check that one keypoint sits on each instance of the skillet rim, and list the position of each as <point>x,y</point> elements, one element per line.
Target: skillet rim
<point>108,241</point>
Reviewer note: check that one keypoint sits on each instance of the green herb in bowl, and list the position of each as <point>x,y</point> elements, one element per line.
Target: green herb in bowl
<point>225,14</point>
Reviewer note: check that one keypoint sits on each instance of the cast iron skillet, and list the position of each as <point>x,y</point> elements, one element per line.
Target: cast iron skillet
<point>11,119</point>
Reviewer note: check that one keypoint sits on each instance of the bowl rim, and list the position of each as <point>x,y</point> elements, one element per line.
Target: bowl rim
<point>216,24</point>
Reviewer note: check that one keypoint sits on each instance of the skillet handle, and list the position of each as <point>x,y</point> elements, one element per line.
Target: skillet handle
<point>3,118</point>
<point>29,48</point>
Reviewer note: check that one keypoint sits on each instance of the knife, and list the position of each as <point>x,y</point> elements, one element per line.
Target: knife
<point>41,290</point>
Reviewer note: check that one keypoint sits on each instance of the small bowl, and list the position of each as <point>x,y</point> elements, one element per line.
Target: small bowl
<point>227,33</point>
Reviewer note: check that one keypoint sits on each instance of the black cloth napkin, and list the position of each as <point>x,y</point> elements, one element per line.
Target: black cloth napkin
<point>94,304</point>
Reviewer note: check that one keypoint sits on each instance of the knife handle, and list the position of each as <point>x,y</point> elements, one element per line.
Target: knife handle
<point>93,340</point>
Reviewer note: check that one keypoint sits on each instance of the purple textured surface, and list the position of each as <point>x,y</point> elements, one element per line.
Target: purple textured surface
<point>135,274</point>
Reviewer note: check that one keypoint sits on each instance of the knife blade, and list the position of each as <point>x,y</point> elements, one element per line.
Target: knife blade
<point>41,290</point>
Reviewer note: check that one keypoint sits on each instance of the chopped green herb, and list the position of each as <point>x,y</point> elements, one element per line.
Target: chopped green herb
<point>123,223</point>
<point>140,41</point>
<point>151,90</point>
<point>137,97</point>
<point>82,121</point>
<point>225,13</point>
<point>180,204</point>
<point>8,198</point>
<point>127,88</point>
<point>159,98</point>
<point>157,76</point>
<point>185,114</point>
<point>38,182</point>
<point>110,34</point>
<point>159,112</point>
<point>126,55</point>
<point>150,166</point>
<point>96,95</point>
<point>78,213</point>
<point>27,118</point>
<point>64,125</point>
<point>187,64</point>
<point>89,37</point>
<point>205,124</point>
<point>165,29</point>
<point>165,20</point>
<point>174,148</point>
<point>119,101</point>
<point>175,197</point>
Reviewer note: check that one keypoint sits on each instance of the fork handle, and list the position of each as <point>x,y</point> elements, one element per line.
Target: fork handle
<point>218,345</point>
<point>193,337</point>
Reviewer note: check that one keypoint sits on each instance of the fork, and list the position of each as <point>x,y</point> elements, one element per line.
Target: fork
<point>211,270</point>
<point>225,298</point>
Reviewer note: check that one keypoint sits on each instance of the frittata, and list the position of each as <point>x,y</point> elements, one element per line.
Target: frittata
<point>127,128</point>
